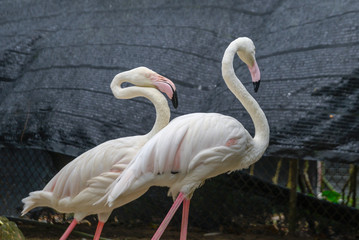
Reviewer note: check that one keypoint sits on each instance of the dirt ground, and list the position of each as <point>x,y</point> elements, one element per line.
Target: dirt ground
<point>116,232</point>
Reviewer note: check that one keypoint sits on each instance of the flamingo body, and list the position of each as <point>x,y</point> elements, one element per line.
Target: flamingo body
<point>82,176</point>
<point>82,182</point>
<point>171,159</point>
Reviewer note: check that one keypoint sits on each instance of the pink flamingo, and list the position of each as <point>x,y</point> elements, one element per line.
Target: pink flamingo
<point>84,180</point>
<point>198,146</point>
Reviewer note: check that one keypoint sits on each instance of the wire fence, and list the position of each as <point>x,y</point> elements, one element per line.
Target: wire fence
<point>272,195</point>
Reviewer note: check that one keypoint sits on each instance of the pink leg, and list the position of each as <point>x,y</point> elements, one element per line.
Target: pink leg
<point>98,230</point>
<point>168,217</point>
<point>69,230</point>
<point>185,214</point>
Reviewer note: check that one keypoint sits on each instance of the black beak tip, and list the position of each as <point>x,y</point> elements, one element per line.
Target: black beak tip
<point>256,85</point>
<point>174,99</point>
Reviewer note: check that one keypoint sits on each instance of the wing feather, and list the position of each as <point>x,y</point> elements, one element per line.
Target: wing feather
<point>174,149</point>
<point>74,177</point>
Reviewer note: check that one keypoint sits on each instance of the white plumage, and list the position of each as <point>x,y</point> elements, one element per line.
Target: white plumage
<point>172,159</point>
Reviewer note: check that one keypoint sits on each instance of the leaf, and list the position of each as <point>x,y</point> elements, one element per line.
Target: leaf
<point>332,196</point>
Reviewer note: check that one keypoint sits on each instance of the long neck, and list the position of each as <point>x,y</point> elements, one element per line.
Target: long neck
<point>249,103</point>
<point>157,98</point>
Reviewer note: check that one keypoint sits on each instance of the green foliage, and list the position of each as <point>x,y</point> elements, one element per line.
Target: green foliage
<point>9,230</point>
<point>332,196</point>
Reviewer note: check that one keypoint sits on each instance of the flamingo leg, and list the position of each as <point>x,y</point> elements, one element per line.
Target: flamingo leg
<point>98,230</point>
<point>185,213</point>
<point>168,217</point>
<point>69,230</point>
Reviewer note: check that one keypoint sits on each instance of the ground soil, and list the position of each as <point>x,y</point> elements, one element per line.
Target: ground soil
<point>118,232</point>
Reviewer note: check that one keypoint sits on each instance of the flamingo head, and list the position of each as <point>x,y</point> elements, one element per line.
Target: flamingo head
<point>145,77</point>
<point>246,53</point>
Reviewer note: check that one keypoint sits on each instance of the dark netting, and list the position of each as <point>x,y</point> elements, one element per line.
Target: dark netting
<point>22,170</point>
<point>55,72</point>
<point>57,60</point>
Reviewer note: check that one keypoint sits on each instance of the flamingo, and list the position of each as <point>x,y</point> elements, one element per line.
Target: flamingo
<point>198,146</point>
<point>83,181</point>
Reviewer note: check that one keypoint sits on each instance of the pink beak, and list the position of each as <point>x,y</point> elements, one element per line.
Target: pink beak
<point>255,74</point>
<point>167,86</point>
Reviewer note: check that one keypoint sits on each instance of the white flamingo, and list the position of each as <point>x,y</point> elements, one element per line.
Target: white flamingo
<point>84,180</point>
<point>195,147</point>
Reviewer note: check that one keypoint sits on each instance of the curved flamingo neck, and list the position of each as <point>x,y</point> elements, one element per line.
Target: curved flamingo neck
<point>249,103</point>
<point>152,94</point>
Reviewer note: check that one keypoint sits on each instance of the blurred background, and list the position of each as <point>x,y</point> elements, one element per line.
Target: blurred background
<point>57,60</point>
